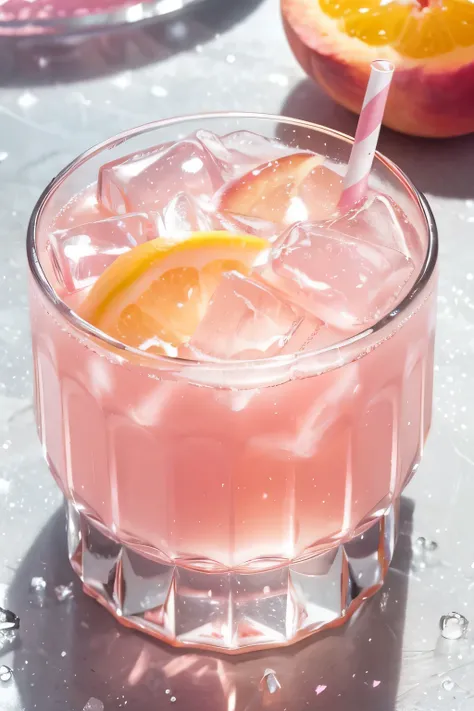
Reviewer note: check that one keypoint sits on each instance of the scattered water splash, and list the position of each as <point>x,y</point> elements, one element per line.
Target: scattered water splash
<point>64,592</point>
<point>270,681</point>
<point>27,99</point>
<point>424,554</point>
<point>453,626</point>
<point>4,486</point>
<point>94,705</point>
<point>9,622</point>
<point>159,91</point>
<point>278,79</point>
<point>423,544</point>
<point>38,584</point>
<point>5,673</point>
<point>384,601</point>
<point>448,684</point>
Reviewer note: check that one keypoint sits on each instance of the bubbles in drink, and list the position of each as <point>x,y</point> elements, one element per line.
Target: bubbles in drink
<point>94,705</point>
<point>453,626</point>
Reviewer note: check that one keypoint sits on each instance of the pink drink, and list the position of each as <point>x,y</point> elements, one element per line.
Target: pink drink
<point>250,498</point>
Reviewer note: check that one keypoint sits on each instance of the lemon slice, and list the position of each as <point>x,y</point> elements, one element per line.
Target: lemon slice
<point>154,296</point>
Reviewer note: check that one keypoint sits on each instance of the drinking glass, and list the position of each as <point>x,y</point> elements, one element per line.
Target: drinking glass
<point>232,505</point>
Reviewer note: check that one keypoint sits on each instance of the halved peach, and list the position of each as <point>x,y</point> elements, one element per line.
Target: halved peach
<point>430,42</point>
<point>289,189</point>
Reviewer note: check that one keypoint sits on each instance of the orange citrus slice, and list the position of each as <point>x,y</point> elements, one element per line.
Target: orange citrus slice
<point>154,296</point>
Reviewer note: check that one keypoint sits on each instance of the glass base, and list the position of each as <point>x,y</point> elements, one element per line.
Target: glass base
<point>232,610</point>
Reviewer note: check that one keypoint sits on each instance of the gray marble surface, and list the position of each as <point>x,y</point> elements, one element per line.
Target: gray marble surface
<point>57,100</point>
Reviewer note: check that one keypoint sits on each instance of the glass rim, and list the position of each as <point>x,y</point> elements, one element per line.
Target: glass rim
<point>424,275</point>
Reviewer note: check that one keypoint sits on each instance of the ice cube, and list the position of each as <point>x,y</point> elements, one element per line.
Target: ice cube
<point>348,282</point>
<point>248,149</point>
<point>80,254</point>
<point>185,214</point>
<point>243,224</point>
<point>380,221</point>
<point>150,180</point>
<point>247,319</point>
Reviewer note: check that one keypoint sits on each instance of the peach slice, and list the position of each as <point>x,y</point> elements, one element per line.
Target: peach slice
<point>286,190</point>
<point>430,42</point>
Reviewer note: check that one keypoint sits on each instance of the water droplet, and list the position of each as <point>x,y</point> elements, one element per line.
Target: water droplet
<point>376,683</point>
<point>279,79</point>
<point>172,699</point>
<point>3,156</point>
<point>178,30</point>
<point>122,81</point>
<point>453,626</point>
<point>27,99</point>
<point>8,620</point>
<point>94,705</point>
<point>5,673</point>
<point>64,592</point>
<point>271,681</point>
<point>167,691</point>
<point>230,59</point>
<point>426,545</point>
<point>320,688</point>
<point>448,684</point>
<point>159,91</point>
<point>38,584</point>
<point>63,653</point>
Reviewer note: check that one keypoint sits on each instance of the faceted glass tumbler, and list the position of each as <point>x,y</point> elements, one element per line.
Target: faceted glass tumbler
<point>232,505</point>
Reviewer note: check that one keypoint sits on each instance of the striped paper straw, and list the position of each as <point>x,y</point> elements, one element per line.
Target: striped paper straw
<point>367,134</point>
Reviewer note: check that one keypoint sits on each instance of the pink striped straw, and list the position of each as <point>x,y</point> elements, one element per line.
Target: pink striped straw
<point>367,134</point>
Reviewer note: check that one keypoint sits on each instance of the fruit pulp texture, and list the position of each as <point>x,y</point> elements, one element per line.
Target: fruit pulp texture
<point>226,477</point>
<point>418,29</point>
